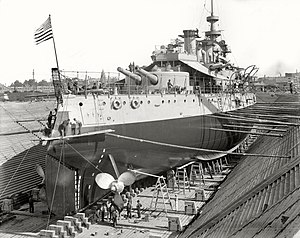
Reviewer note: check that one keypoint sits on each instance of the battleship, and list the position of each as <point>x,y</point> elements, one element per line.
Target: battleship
<point>107,135</point>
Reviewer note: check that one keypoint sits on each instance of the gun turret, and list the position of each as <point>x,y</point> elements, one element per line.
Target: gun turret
<point>152,78</point>
<point>131,75</point>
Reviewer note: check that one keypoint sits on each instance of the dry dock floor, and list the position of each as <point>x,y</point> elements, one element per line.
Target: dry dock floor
<point>153,222</point>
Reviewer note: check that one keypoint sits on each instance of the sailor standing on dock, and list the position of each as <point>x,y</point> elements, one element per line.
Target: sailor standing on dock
<point>169,85</point>
<point>129,207</point>
<point>50,119</point>
<point>31,204</point>
<point>62,128</point>
<point>138,208</point>
<point>78,125</point>
<point>73,126</point>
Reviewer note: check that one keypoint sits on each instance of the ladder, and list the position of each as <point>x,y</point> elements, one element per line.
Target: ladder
<point>161,187</point>
<point>182,178</point>
<point>197,173</point>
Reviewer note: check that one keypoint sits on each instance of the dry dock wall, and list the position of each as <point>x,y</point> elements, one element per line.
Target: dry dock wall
<point>21,125</point>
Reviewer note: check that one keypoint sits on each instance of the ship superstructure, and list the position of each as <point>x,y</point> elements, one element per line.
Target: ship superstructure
<point>153,119</point>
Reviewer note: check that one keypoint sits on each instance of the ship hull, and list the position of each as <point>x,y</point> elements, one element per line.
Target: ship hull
<point>151,147</point>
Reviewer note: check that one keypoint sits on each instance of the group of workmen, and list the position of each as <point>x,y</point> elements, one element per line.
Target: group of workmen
<point>75,126</point>
<point>112,212</point>
<point>67,125</point>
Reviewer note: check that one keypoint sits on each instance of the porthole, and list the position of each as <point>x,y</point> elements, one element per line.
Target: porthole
<point>80,104</point>
<point>169,101</point>
<point>175,100</point>
<point>148,101</point>
<point>184,100</point>
<point>163,101</point>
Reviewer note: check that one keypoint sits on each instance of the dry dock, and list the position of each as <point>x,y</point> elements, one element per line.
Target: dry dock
<point>258,198</point>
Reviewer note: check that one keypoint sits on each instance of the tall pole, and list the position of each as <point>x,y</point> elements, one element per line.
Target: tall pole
<point>54,46</point>
<point>59,98</point>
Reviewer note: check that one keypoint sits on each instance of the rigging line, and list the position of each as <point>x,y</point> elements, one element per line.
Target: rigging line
<point>84,157</point>
<point>192,148</point>
<point>58,169</point>
<point>202,15</point>
<point>14,173</point>
<point>54,191</point>
<point>204,7</point>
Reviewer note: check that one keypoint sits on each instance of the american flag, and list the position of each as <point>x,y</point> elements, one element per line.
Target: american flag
<point>44,32</point>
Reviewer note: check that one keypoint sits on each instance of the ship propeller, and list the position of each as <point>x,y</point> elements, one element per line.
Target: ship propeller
<point>107,181</point>
<point>40,172</point>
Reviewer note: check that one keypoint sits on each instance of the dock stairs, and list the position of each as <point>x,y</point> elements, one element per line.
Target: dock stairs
<point>161,188</point>
<point>71,226</point>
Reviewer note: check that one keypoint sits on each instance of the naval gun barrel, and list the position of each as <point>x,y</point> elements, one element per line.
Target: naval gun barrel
<point>129,74</point>
<point>151,77</point>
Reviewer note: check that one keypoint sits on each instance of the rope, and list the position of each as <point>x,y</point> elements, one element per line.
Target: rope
<point>54,191</point>
<point>191,148</point>
<point>84,157</point>
<point>58,169</point>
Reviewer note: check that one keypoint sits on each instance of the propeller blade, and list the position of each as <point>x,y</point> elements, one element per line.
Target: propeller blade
<point>118,200</point>
<point>127,178</point>
<point>104,180</point>
<point>40,171</point>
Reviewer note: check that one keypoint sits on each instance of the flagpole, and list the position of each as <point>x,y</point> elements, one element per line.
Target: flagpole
<point>59,98</point>
<point>54,47</point>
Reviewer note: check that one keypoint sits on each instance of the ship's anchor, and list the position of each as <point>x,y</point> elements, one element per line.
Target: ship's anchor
<point>107,181</point>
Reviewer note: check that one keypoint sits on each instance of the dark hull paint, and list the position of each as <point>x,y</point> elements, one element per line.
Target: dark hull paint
<point>89,156</point>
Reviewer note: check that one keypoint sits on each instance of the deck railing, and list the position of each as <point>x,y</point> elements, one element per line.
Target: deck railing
<point>84,83</point>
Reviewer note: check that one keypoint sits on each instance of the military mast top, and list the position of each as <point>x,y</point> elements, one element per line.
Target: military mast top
<point>213,34</point>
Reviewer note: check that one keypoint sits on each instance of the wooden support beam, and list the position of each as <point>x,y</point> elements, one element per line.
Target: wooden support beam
<point>238,118</point>
<point>264,115</point>
<point>31,120</point>
<point>20,132</point>
<point>247,132</point>
<point>186,165</point>
<point>255,127</point>
<point>271,108</point>
<point>267,103</point>
<point>147,174</point>
<point>262,124</point>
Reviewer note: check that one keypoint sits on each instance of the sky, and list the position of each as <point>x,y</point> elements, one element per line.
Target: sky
<point>96,35</point>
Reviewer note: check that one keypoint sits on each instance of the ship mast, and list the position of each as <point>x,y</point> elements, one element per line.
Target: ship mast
<point>213,34</point>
